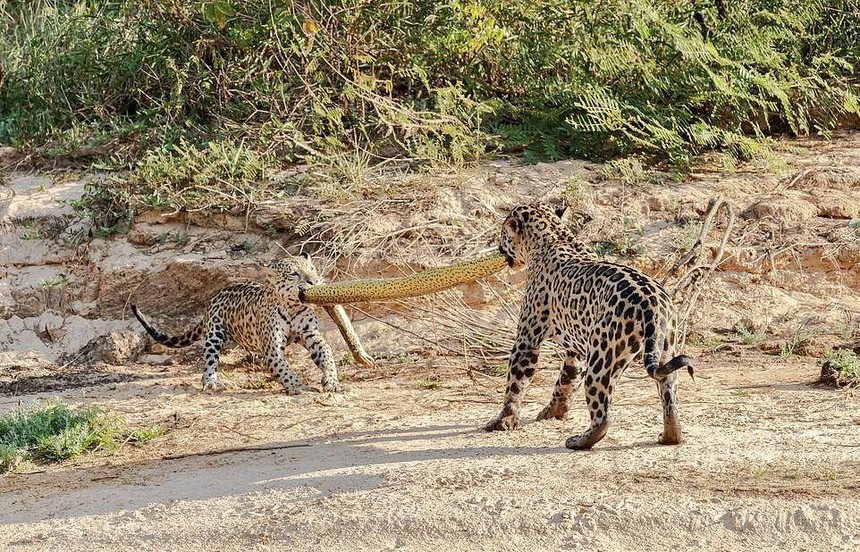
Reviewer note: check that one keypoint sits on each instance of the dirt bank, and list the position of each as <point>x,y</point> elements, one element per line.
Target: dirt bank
<point>398,461</point>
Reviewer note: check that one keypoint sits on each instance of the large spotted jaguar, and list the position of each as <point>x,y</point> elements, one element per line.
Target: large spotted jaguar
<point>263,319</point>
<point>602,313</point>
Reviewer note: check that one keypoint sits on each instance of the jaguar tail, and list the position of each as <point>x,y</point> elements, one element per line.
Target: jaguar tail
<point>183,340</point>
<point>661,371</point>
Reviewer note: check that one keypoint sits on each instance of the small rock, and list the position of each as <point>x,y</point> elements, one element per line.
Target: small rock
<point>156,360</point>
<point>837,205</point>
<point>142,235</point>
<point>82,308</point>
<point>117,347</point>
<point>787,210</point>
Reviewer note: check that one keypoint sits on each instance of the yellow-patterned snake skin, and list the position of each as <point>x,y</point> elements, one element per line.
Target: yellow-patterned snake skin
<point>421,283</point>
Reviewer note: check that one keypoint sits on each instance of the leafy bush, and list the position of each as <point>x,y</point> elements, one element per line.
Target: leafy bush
<point>53,431</point>
<point>188,176</point>
<point>841,367</point>
<point>430,80</point>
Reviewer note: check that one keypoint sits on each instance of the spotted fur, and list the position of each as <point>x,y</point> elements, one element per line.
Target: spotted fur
<point>603,314</point>
<point>264,319</point>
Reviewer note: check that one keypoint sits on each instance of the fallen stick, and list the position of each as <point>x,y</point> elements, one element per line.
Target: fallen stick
<point>230,450</point>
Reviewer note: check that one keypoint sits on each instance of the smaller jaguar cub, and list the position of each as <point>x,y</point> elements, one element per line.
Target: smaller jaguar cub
<point>263,319</point>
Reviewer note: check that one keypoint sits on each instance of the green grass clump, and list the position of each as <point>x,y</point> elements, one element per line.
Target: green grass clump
<point>498,369</point>
<point>196,177</point>
<point>51,432</point>
<point>844,367</point>
<point>430,383</point>
<point>143,436</point>
<point>748,336</point>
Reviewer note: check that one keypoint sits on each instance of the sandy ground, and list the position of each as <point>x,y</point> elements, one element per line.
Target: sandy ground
<point>399,462</point>
<point>771,461</point>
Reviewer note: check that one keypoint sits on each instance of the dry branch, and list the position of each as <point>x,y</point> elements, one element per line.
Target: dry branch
<point>699,269</point>
<point>235,449</point>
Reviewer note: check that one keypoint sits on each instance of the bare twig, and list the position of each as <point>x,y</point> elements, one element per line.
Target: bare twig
<point>235,449</point>
<point>699,270</point>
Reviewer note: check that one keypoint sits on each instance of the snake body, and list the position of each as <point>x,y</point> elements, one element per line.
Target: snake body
<point>421,283</point>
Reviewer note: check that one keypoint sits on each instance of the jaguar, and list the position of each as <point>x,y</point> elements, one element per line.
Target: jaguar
<point>264,318</point>
<point>604,315</point>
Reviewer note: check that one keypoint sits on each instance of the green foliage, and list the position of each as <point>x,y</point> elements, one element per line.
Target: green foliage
<point>620,237</point>
<point>195,177</point>
<point>50,228</point>
<point>629,170</point>
<point>748,336</point>
<point>180,238</point>
<point>687,236</point>
<point>143,436</point>
<point>292,80</point>
<point>408,358</point>
<point>576,191</point>
<point>58,280</point>
<point>107,207</point>
<point>434,81</point>
<point>704,341</point>
<point>53,432</point>
<point>800,336</point>
<point>499,369</point>
<point>846,364</point>
<point>433,382</point>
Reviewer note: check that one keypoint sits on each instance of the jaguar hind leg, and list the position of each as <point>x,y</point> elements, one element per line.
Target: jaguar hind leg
<point>215,339</point>
<point>671,425</point>
<point>600,382</point>
<point>569,379</point>
<point>593,435</point>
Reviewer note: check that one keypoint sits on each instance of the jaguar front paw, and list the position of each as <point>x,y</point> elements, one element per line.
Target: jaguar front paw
<point>553,411</point>
<point>332,387</point>
<point>503,423</point>
<point>212,385</point>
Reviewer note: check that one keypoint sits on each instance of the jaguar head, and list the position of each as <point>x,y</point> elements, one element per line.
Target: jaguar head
<point>288,276</point>
<point>526,229</point>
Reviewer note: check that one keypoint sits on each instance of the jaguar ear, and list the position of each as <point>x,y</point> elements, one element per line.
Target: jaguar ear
<point>305,254</point>
<point>525,216</point>
<point>561,211</point>
<point>514,223</point>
